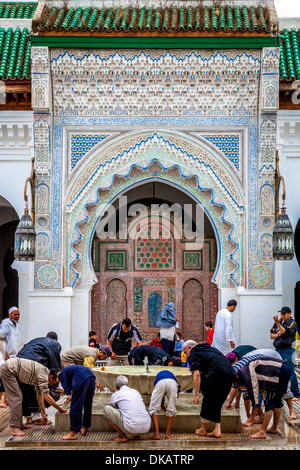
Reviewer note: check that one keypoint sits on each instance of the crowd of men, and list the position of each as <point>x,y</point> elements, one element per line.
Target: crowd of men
<point>39,374</point>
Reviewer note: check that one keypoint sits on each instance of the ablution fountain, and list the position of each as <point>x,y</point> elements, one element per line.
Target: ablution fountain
<point>142,379</point>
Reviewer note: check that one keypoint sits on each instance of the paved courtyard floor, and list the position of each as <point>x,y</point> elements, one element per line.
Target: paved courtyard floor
<point>46,438</point>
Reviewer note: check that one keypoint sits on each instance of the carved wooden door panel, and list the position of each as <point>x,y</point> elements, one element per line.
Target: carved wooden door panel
<point>116,302</point>
<point>192,311</point>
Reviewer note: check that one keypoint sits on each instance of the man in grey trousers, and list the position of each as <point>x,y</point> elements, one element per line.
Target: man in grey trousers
<point>30,372</point>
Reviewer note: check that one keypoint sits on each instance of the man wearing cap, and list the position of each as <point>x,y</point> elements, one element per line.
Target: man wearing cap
<point>10,338</point>
<point>85,356</point>
<point>283,333</point>
<point>127,412</point>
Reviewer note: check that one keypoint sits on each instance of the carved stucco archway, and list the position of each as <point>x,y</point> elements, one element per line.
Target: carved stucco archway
<point>174,158</point>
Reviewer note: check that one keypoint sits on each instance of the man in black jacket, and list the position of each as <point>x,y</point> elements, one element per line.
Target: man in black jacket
<point>213,376</point>
<point>156,356</point>
<point>45,350</point>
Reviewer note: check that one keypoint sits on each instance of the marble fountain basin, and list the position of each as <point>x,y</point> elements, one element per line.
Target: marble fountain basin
<point>140,379</point>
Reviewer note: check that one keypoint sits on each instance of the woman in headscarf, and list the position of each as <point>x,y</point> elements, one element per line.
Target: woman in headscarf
<point>168,323</point>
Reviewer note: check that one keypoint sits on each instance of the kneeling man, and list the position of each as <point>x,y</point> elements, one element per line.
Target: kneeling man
<point>127,412</point>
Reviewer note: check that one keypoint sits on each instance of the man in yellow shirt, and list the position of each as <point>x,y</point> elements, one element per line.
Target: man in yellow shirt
<point>85,356</point>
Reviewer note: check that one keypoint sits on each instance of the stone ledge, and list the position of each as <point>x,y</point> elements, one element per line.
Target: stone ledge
<point>186,420</point>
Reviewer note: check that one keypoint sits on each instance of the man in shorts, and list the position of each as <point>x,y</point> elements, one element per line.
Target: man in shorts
<point>165,384</point>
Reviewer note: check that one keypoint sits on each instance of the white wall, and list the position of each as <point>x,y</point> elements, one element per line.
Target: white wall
<point>288,145</point>
<point>16,152</point>
<point>253,317</point>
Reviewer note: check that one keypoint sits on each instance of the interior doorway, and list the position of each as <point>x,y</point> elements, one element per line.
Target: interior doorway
<point>9,282</point>
<point>158,254</point>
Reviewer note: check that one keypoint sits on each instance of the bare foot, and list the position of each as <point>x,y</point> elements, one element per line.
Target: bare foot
<point>296,399</point>
<point>120,439</point>
<point>292,417</point>
<point>69,437</point>
<point>259,435</point>
<point>2,404</point>
<point>169,436</point>
<point>155,437</point>
<point>18,432</point>
<point>83,431</point>
<point>40,422</point>
<point>272,430</point>
<point>26,426</point>
<point>248,423</point>
<point>200,432</point>
<point>214,434</point>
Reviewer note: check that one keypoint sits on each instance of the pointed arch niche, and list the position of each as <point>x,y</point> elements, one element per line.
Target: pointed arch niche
<point>175,159</point>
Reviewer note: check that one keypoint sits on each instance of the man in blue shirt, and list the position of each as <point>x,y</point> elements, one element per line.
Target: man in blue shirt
<point>80,382</point>
<point>165,384</point>
<point>283,333</point>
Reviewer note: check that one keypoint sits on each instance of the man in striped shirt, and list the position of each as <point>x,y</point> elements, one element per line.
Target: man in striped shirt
<point>268,376</point>
<point>30,372</point>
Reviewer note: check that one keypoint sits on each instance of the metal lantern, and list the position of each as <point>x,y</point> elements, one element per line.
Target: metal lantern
<point>283,238</point>
<point>25,234</point>
<point>283,234</point>
<point>25,239</point>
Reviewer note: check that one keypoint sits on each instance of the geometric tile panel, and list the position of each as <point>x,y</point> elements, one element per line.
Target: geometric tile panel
<point>47,275</point>
<point>154,252</point>
<point>228,144</point>
<point>116,260</point>
<point>81,144</point>
<point>192,260</point>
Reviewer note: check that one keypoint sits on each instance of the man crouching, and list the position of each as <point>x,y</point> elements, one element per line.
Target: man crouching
<point>127,412</point>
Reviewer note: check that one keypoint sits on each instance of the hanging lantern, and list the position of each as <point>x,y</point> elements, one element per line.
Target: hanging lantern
<point>283,234</point>
<point>25,239</point>
<point>25,234</point>
<point>283,238</point>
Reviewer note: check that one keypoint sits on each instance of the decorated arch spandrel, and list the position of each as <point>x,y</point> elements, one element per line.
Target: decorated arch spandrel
<point>187,163</point>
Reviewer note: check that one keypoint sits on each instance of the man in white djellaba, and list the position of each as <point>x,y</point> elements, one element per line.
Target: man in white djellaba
<point>224,339</point>
<point>10,338</point>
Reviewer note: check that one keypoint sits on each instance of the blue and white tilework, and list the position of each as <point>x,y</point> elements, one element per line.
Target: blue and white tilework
<point>229,145</point>
<point>81,144</point>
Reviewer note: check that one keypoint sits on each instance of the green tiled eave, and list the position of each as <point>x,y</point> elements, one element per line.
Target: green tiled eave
<point>17,10</point>
<point>160,19</point>
<point>15,54</point>
<point>290,54</point>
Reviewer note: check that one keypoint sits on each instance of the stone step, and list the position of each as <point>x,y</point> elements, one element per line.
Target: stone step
<point>186,420</point>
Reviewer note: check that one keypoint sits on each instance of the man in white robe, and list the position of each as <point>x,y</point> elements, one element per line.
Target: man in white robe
<point>10,338</point>
<point>224,339</point>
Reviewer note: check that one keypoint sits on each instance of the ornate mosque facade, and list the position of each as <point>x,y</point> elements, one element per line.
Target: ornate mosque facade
<point>120,108</point>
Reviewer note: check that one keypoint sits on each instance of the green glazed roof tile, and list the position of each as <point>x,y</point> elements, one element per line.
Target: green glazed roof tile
<point>19,10</point>
<point>290,54</point>
<point>14,54</point>
<point>181,18</point>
